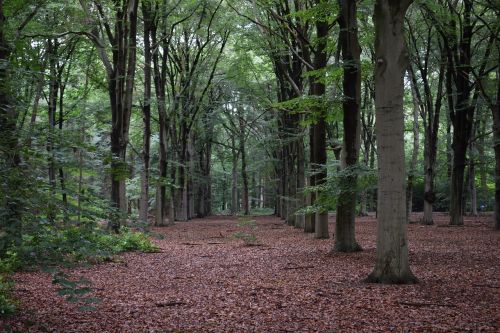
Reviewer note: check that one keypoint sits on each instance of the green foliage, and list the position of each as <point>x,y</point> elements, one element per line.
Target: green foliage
<point>7,304</point>
<point>329,192</point>
<point>67,245</point>
<point>313,107</point>
<point>7,266</point>
<point>247,233</point>
<point>75,290</point>
<point>78,243</point>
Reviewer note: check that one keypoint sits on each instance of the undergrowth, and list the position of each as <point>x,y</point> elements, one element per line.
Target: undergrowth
<point>55,248</point>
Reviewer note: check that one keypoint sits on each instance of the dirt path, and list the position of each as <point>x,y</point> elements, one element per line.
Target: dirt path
<point>205,280</point>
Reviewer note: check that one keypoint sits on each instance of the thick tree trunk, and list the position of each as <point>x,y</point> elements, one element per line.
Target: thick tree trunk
<point>392,265</point>
<point>121,85</point>
<point>461,116</point>
<point>9,154</point>
<point>345,237</point>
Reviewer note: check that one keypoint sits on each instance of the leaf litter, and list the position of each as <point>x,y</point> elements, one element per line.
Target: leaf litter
<point>290,283</point>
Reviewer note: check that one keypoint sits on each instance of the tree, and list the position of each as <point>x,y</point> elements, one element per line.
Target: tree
<point>147,13</point>
<point>10,158</point>
<point>120,74</point>
<point>392,265</point>
<point>318,129</point>
<point>345,240</point>
<point>428,107</point>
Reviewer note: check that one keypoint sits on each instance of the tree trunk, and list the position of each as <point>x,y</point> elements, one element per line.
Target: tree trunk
<point>496,144</point>
<point>9,154</point>
<point>461,116</point>
<point>309,218</point>
<point>321,221</point>
<point>318,147</point>
<point>244,176</point>
<point>121,74</point>
<point>62,177</point>
<point>345,237</point>
<point>52,51</point>
<point>483,176</point>
<point>414,157</point>
<point>301,179</point>
<point>234,179</point>
<point>146,115</point>
<point>472,187</point>
<point>392,265</point>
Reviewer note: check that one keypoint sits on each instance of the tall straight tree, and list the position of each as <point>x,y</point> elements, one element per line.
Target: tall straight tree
<point>120,73</point>
<point>392,264</point>
<point>458,28</point>
<point>147,13</point>
<point>9,156</point>
<point>345,240</point>
<point>429,109</point>
<point>495,109</point>
<point>318,129</point>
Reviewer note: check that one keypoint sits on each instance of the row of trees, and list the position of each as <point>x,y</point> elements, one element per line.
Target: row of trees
<point>182,108</point>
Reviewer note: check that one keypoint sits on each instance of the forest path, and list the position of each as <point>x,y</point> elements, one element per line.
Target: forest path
<point>206,280</point>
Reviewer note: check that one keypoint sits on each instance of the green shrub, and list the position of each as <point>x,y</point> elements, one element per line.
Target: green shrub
<point>7,304</point>
<point>247,233</point>
<point>7,266</point>
<point>70,244</point>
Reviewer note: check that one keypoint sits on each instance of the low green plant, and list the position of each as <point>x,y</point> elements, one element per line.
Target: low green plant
<point>247,233</point>
<point>52,247</point>
<point>75,290</point>
<point>7,266</point>
<point>7,303</point>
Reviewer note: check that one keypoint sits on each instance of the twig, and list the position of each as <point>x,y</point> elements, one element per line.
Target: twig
<point>418,304</point>
<point>298,267</point>
<point>172,303</point>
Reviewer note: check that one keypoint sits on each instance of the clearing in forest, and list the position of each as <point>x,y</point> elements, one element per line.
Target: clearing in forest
<point>274,278</point>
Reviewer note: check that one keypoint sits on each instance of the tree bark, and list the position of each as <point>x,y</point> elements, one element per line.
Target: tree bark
<point>345,235</point>
<point>496,145</point>
<point>318,147</point>
<point>52,51</point>
<point>120,72</point>
<point>244,175</point>
<point>234,179</point>
<point>414,157</point>
<point>146,114</point>
<point>301,180</point>
<point>462,114</point>
<point>9,153</point>
<point>392,265</point>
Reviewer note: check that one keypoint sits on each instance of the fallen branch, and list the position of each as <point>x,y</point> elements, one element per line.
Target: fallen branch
<point>298,267</point>
<point>487,286</point>
<point>422,304</point>
<point>172,303</point>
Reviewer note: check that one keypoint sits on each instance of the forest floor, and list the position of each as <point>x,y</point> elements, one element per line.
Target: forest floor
<point>204,279</point>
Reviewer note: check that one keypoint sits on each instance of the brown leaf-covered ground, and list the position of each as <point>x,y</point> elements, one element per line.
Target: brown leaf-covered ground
<point>206,280</point>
